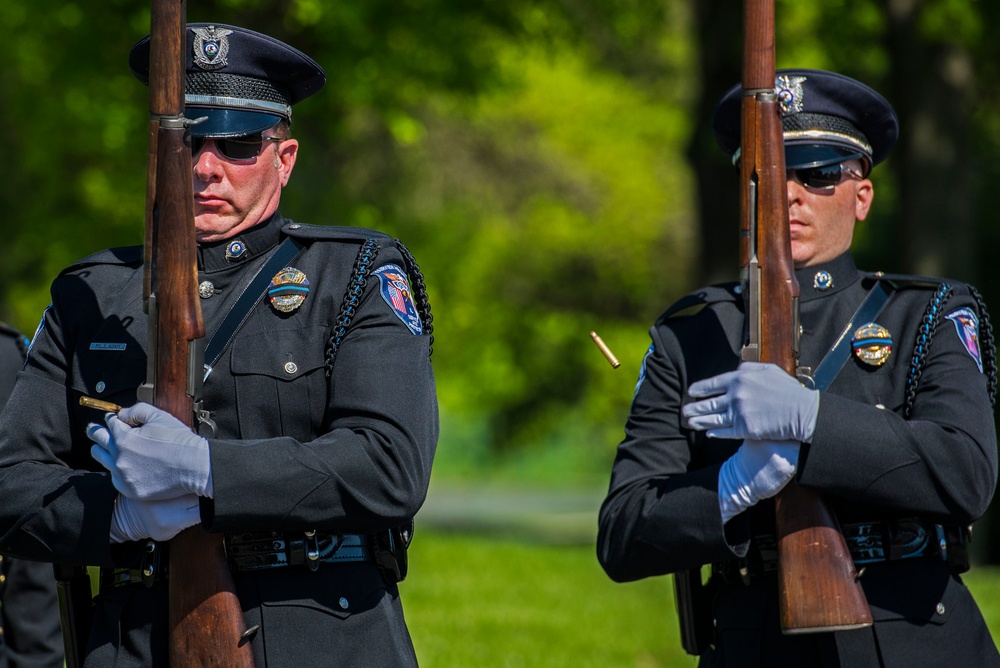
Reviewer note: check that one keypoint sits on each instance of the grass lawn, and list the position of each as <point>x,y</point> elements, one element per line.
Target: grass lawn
<point>479,602</point>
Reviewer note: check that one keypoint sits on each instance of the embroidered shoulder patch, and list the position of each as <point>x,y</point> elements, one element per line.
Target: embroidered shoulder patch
<point>395,289</point>
<point>642,370</point>
<point>38,332</point>
<point>967,325</point>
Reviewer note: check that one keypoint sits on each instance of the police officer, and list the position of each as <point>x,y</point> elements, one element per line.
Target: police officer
<point>899,436</point>
<point>319,386</point>
<point>29,609</point>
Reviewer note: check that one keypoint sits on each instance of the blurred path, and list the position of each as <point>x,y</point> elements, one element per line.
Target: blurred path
<point>540,515</point>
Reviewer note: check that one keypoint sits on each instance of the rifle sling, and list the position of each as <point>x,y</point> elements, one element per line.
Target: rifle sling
<point>837,356</point>
<point>248,299</point>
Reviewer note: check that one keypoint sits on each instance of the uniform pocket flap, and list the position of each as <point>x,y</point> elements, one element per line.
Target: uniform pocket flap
<point>283,354</point>
<point>336,589</point>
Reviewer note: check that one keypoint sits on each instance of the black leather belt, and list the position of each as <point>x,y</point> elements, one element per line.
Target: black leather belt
<point>258,551</point>
<point>891,540</point>
<point>254,552</point>
<point>868,543</point>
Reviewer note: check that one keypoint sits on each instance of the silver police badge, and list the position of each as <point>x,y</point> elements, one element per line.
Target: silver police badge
<point>789,92</point>
<point>211,46</point>
<point>872,344</point>
<point>288,289</point>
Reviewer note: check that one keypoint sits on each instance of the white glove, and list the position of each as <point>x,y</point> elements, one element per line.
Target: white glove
<point>159,520</point>
<point>757,401</point>
<point>758,470</point>
<point>151,454</point>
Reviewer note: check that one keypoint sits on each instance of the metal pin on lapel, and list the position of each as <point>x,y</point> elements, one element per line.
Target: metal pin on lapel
<point>603,347</point>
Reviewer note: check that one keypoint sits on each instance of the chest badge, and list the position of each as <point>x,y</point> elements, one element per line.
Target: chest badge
<point>288,289</point>
<point>872,344</point>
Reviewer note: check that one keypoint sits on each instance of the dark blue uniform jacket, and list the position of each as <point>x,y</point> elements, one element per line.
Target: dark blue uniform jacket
<point>875,455</point>
<point>297,448</point>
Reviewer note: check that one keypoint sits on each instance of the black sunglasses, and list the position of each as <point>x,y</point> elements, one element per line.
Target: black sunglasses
<point>825,177</point>
<point>246,147</point>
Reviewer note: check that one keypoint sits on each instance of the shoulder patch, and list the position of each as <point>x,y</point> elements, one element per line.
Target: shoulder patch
<point>967,326</point>
<point>331,233</point>
<point>395,289</point>
<point>642,369</point>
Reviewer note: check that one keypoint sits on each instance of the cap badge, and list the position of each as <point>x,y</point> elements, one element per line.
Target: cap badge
<point>288,289</point>
<point>872,344</point>
<point>235,250</point>
<point>789,92</point>
<point>211,46</point>
<point>967,324</point>
<point>823,280</point>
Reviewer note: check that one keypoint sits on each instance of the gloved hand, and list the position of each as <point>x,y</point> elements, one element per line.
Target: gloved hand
<point>757,401</point>
<point>151,454</point>
<point>159,520</point>
<point>758,470</point>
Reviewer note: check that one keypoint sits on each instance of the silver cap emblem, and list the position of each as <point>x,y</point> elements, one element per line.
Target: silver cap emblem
<point>211,47</point>
<point>789,92</point>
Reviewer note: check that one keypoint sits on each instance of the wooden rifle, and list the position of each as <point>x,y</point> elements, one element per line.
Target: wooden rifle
<point>207,627</point>
<point>818,584</point>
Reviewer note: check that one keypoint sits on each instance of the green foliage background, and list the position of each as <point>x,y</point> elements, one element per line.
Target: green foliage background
<point>547,162</point>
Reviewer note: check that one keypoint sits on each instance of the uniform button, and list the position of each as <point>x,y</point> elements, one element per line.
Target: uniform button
<point>100,387</point>
<point>294,226</point>
<point>343,603</point>
<point>206,289</point>
<point>881,407</point>
<point>3,578</point>
<point>940,608</point>
<point>291,367</point>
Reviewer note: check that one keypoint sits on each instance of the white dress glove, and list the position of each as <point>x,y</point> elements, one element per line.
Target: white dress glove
<point>757,401</point>
<point>151,454</point>
<point>758,470</point>
<point>159,520</point>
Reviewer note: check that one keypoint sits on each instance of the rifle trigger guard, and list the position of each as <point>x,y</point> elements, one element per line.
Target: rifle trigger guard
<point>804,376</point>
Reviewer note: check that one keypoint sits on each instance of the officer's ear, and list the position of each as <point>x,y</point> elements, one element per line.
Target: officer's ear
<point>284,159</point>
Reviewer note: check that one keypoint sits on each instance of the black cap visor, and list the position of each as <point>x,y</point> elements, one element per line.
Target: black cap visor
<point>799,156</point>
<point>228,122</point>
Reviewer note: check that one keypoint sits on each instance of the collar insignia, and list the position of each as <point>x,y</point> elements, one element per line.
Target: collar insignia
<point>235,250</point>
<point>823,280</point>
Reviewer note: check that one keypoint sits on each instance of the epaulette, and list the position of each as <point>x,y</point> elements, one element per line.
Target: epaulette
<point>331,233</point>
<point>8,330</point>
<point>124,255</point>
<point>712,294</point>
<point>903,281</point>
<point>20,339</point>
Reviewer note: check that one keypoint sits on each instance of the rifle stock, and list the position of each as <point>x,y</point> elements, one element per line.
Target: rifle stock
<point>207,626</point>
<point>818,586</point>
